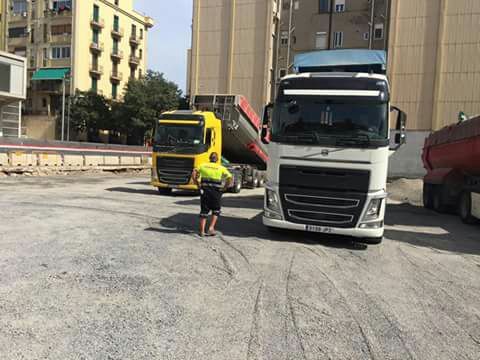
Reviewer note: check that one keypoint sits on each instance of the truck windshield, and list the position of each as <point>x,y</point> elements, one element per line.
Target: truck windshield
<point>323,121</point>
<point>179,135</point>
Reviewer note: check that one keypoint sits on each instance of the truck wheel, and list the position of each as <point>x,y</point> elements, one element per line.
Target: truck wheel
<point>237,186</point>
<point>437,200</point>
<point>164,191</point>
<point>372,241</point>
<point>427,196</point>
<point>465,208</point>
<point>255,182</point>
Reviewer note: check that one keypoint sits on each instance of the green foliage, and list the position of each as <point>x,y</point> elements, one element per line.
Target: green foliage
<point>143,102</point>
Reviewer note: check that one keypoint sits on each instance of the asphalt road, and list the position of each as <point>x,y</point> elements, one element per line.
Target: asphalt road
<point>101,267</point>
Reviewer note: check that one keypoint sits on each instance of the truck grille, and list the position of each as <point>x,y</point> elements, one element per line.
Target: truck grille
<point>315,207</point>
<point>174,171</point>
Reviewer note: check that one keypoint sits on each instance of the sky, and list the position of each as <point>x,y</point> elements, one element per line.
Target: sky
<point>170,38</point>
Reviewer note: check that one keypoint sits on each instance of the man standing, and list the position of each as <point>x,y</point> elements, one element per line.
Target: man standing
<point>210,179</point>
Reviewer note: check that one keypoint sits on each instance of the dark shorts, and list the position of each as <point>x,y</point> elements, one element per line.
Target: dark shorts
<point>210,200</point>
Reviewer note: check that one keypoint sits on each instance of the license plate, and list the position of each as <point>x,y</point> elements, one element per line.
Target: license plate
<point>318,229</point>
<point>173,186</point>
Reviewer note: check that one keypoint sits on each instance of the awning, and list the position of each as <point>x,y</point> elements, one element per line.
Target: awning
<point>51,74</point>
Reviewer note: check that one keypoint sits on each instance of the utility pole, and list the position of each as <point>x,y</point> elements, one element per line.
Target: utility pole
<point>330,24</point>
<point>290,31</point>
<point>372,24</point>
<point>63,109</point>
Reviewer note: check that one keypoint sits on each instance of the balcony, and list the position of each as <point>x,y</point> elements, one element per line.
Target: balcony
<point>116,76</point>
<point>117,55</point>
<point>134,60</point>
<point>135,40</point>
<point>58,13</point>
<point>60,38</point>
<point>97,23</point>
<point>96,47</point>
<point>18,41</point>
<point>96,70</point>
<point>117,32</point>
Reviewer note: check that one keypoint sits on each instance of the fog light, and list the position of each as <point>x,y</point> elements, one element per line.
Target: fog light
<point>372,225</point>
<point>272,215</point>
<point>272,202</point>
<point>373,210</point>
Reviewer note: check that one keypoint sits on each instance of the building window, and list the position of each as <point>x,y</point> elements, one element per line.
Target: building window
<point>117,2</point>
<point>114,91</point>
<point>141,34</point>
<point>95,36</point>
<point>366,35</point>
<point>132,73</point>
<point>134,31</point>
<point>21,51</point>
<point>321,40</point>
<point>19,7</point>
<point>94,84</point>
<point>62,52</point>
<point>116,23</point>
<point>115,46</point>
<point>284,38</point>
<point>96,13</point>
<point>44,102</point>
<point>338,39</point>
<point>62,5</point>
<point>61,29</point>
<point>17,32</point>
<point>378,34</point>
<point>140,54</point>
<point>323,6</point>
<point>339,5</point>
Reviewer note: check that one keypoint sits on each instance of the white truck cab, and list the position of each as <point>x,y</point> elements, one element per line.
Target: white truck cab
<point>329,149</point>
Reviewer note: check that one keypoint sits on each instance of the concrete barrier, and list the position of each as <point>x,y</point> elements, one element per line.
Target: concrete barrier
<point>49,160</point>
<point>21,155</point>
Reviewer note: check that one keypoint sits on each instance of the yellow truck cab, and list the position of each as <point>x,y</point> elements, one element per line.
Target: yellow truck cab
<point>183,141</point>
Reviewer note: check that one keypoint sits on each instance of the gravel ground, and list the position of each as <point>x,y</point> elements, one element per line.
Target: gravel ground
<point>104,268</point>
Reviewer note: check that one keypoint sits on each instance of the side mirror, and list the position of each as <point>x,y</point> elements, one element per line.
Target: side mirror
<point>400,127</point>
<point>266,123</point>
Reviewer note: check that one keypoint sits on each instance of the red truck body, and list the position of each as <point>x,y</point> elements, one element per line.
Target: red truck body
<point>455,148</point>
<point>451,157</point>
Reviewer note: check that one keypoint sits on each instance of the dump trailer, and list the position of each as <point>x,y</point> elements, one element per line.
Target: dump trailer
<point>451,157</point>
<point>330,145</point>
<point>225,124</point>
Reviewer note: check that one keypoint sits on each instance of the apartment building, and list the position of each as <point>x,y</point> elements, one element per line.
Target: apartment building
<point>310,25</point>
<point>81,45</point>
<point>433,67</point>
<point>233,48</point>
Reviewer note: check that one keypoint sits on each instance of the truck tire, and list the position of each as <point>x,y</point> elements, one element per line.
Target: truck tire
<point>372,241</point>
<point>437,200</point>
<point>427,196</point>
<point>237,185</point>
<point>465,208</point>
<point>164,191</point>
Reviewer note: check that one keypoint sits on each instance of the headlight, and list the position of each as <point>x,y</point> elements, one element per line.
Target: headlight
<point>272,201</point>
<point>373,210</point>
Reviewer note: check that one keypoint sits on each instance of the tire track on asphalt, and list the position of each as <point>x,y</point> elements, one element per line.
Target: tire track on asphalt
<point>434,298</point>
<point>291,312</point>
<point>372,306</point>
<point>255,328</point>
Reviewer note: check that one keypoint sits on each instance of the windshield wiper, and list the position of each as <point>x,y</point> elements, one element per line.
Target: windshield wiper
<point>358,139</point>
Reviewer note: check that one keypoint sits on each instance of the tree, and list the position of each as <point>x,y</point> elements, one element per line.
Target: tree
<point>144,100</point>
<point>90,113</point>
